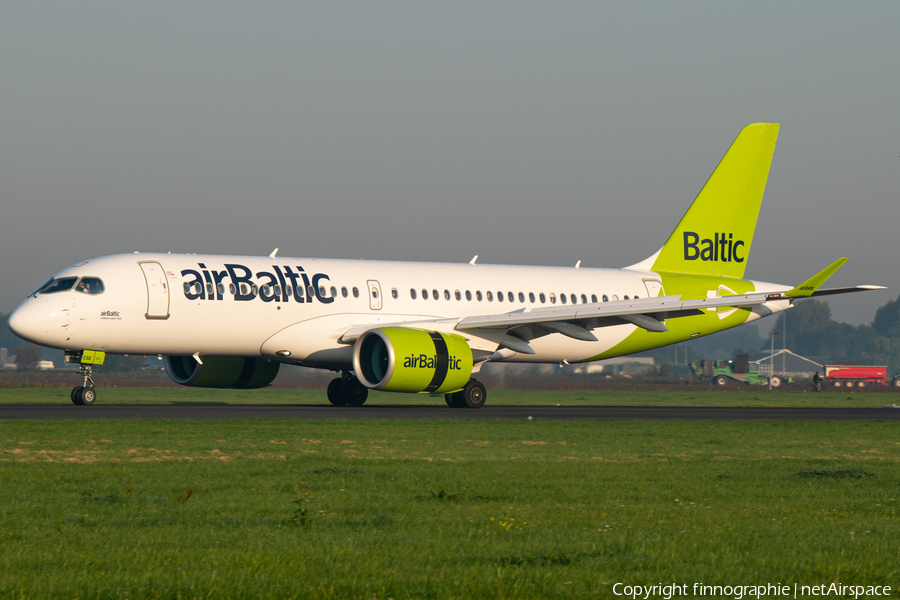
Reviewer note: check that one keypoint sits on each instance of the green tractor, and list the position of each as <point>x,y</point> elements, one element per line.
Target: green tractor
<point>723,372</point>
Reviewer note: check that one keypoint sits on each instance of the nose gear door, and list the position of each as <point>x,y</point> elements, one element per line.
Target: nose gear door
<point>157,290</point>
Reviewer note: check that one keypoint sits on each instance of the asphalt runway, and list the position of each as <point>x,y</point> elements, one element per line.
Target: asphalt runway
<point>549,413</point>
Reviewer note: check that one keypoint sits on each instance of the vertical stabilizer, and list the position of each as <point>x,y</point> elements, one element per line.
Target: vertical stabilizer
<point>714,236</point>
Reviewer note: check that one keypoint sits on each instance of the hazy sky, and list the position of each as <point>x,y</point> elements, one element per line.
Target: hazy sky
<point>527,133</point>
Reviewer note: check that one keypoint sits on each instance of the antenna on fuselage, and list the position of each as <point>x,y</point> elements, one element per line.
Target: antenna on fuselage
<point>274,252</point>
<point>474,258</point>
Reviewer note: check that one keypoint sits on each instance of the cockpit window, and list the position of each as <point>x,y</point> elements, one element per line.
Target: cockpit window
<point>58,285</point>
<point>89,285</point>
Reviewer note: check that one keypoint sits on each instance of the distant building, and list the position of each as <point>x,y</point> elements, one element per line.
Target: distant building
<point>621,365</point>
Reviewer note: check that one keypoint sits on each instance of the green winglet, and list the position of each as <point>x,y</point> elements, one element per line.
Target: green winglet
<point>809,286</point>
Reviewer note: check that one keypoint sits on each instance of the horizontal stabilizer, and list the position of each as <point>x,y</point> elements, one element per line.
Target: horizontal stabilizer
<point>847,290</point>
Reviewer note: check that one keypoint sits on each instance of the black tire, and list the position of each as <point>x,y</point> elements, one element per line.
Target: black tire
<point>861,383</point>
<point>720,380</point>
<point>896,382</point>
<point>455,400</point>
<point>838,383</point>
<point>336,392</point>
<point>474,394</point>
<point>74,395</point>
<point>355,393</point>
<point>86,395</point>
<point>775,381</point>
<point>849,383</point>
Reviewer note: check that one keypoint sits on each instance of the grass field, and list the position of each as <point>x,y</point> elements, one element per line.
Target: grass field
<point>450,509</point>
<point>641,396</point>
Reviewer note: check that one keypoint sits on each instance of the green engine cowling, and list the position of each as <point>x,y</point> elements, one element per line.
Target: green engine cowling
<point>404,359</point>
<point>233,372</point>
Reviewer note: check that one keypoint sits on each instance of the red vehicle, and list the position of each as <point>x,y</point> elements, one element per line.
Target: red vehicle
<point>857,375</point>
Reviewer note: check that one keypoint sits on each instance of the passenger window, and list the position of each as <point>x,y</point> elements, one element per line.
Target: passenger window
<point>478,295</point>
<point>521,297</point>
<point>344,292</point>
<point>434,294</point>
<point>446,294</point>
<point>594,298</point>
<point>584,299</point>
<point>58,285</point>
<point>356,292</point>
<point>220,288</point>
<point>210,291</point>
<point>511,297</point>
<point>574,299</point>
<point>562,298</point>
<point>625,297</point>
<point>311,291</point>
<point>552,298</point>
<point>412,293</point>
<point>92,285</point>
<point>468,295</point>
<point>499,296</point>
<point>457,295</point>
<point>374,293</point>
<point>394,293</point>
<point>615,298</point>
<point>635,297</point>
<point>605,298</point>
<point>333,292</point>
<point>543,298</point>
<point>424,294</point>
<point>277,289</point>
<point>531,297</point>
<point>231,289</point>
<point>489,296</point>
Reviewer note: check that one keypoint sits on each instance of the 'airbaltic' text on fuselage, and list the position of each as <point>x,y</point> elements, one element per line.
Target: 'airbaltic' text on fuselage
<point>282,284</point>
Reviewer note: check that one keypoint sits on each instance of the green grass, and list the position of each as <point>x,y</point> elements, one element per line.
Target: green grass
<point>449,509</point>
<point>641,396</point>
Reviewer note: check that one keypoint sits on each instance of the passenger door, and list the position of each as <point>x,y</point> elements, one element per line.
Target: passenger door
<point>157,290</point>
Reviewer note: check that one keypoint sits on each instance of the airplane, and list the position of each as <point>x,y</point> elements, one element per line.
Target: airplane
<point>416,327</point>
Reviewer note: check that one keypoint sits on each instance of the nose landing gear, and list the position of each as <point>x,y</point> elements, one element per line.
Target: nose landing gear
<point>84,394</point>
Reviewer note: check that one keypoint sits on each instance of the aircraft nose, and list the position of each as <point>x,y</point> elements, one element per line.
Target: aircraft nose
<point>31,321</point>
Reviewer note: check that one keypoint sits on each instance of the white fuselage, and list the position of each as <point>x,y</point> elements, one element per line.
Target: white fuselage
<point>251,306</point>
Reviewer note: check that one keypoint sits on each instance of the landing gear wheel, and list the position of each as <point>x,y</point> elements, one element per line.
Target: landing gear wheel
<point>455,400</point>
<point>355,393</point>
<point>775,380</point>
<point>474,394</point>
<point>74,395</point>
<point>336,392</point>
<point>86,396</point>
<point>720,380</point>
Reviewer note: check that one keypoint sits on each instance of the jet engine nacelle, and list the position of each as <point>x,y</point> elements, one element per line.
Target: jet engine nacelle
<point>404,359</point>
<point>221,371</point>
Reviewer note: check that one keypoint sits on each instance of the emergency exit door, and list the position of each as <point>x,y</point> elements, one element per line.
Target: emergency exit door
<point>374,295</point>
<point>157,291</point>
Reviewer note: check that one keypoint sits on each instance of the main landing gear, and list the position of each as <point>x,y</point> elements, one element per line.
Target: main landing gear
<point>347,391</point>
<point>84,394</point>
<point>471,396</point>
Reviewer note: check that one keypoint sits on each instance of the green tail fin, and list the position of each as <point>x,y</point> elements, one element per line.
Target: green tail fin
<point>714,236</point>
